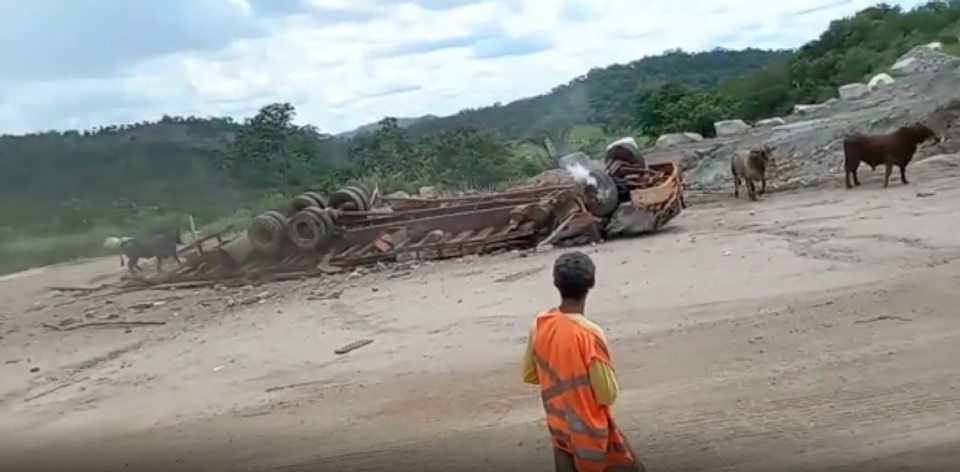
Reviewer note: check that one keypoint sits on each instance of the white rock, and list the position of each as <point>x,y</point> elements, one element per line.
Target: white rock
<point>936,46</point>
<point>400,194</point>
<point>428,192</point>
<point>852,91</point>
<point>804,109</point>
<point>672,139</point>
<point>730,127</point>
<point>879,80</point>
<point>767,122</point>
<point>904,67</point>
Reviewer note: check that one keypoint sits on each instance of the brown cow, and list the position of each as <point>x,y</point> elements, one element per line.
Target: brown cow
<point>750,165</point>
<point>893,149</point>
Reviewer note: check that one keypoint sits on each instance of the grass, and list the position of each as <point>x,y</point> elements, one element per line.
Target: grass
<point>22,252</point>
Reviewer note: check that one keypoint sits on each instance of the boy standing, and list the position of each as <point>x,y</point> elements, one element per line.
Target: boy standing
<point>567,357</point>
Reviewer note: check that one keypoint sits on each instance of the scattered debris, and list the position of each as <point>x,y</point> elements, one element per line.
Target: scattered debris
<point>150,304</point>
<point>883,318</point>
<point>90,324</point>
<point>331,295</point>
<point>257,298</point>
<point>353,346</point>
<point>520,275</point>
<point>80,290</point>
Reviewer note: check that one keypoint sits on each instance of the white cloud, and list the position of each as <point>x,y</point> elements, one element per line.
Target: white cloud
<point>338,61</point>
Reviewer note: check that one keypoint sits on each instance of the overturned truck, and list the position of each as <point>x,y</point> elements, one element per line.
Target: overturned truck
<point>581,202</point>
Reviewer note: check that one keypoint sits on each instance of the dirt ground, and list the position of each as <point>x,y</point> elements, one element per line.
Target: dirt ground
<point>813,330</point>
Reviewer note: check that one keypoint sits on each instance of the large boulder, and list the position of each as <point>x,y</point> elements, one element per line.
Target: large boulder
<point>805,109</point>
<point>879,80</point>
<point>673,139</point>
<point>852,91</point>
<point>730,127</point>
<point>770,122</point>
<point>904,67</point>
<point>428,192</point>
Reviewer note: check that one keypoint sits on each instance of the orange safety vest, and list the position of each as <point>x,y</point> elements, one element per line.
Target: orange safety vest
<point>563,351</point>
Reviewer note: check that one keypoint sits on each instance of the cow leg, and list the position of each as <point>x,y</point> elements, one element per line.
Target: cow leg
<point>159,264</point>
<point>751,189</point>
<point>856,180</point>
<point>736,186</point>
<point>763,184</point>
<point>132,264</point>
<point>888,169</point>
<point>903,175</point>
<point>846,178</point>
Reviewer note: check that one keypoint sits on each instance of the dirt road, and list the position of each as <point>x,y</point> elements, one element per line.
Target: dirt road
<point>810,331</point>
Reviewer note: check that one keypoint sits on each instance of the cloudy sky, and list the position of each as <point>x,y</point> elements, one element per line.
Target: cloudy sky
<point>343,63</point>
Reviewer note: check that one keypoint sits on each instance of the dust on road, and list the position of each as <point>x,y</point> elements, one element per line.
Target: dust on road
<point>813,329</point>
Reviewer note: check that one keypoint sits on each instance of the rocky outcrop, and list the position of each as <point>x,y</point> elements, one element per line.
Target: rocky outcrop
<point>922,60</point>
<point>809,149</point>
<point>770,122</point>
<point>879,80</point>
<point>730,127</point>
<point>852,91</point>
<point>673,139</point>
<point>428,192</point>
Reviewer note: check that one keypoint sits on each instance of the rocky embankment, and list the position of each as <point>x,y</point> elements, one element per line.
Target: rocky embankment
<point>808,142</point>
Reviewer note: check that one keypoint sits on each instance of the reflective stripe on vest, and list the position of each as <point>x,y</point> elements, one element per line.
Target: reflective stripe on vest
<point>566,414</point>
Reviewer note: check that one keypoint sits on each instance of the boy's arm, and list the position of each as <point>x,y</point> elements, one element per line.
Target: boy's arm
<point>603,379</point>
<point>529,366</point>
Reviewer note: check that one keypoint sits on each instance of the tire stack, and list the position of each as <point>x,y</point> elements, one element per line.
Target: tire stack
<point>307,199</point>
<point>311,227</point>
<point>312,220</point>
<point>351,198</point>
<point>268,231</point>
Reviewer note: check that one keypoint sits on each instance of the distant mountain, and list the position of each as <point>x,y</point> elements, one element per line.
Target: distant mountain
<point>578,101</point>
<point>574,102</point>
<point>370,127</point>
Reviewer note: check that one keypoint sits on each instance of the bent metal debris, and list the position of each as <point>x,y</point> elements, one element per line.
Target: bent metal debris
<point>582,202</point>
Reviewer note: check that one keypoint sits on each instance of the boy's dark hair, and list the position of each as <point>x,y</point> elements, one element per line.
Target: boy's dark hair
<point>574,275</point>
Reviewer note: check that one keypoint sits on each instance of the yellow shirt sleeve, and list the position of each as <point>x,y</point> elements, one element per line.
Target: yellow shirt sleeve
<point>529,366</point>
<point>603,379</point>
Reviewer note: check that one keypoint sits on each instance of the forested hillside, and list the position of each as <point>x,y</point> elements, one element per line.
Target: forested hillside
<point>61,193</point>
<point>588,98</point>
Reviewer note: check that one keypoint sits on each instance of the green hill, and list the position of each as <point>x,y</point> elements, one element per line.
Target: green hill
<point>587,98</point>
